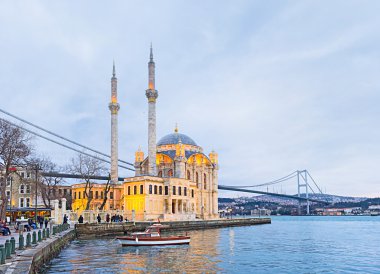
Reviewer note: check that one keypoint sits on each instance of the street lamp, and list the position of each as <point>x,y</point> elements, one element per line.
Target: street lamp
<point>11,169</point>
<point>35,205</point>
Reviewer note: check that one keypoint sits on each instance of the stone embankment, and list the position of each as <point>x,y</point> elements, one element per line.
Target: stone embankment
<point>29,254</point>
<point>106,229</point>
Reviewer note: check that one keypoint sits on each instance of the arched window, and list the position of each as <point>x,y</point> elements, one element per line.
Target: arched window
<point>134,190</point>
<point>27,189</point>
<point>141,189</point>
<point>204,181</point>
<point>150,189</point>
<point>197,179</point>
<point>160,174</point>
<point>160,190</point>
<point>188,175</point>
<point>22,189</point>
<point>155,189</point>
<point>170,173</point>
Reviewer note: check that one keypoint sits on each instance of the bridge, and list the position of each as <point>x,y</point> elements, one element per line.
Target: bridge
<point>304,180</point>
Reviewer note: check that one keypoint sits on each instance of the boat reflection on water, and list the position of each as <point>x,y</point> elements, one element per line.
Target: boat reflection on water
<point>199,256</point>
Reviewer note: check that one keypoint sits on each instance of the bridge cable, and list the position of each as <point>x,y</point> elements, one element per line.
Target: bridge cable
<point>66,146</point>
<point>61,137</point>
<point>314,182</point>
<point>282,179</point>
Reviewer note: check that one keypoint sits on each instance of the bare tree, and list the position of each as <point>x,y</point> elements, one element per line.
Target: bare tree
<point>47,185</point>
<point>107,189</point>
<point>14,148</point>
<point>86,167</point>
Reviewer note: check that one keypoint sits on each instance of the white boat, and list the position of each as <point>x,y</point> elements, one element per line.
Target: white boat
<point>151,236</point>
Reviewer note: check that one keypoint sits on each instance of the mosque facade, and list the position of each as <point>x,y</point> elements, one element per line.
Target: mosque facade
<point>175,181</point>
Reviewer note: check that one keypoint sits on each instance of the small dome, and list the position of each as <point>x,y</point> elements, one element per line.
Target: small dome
<point>174,138</point>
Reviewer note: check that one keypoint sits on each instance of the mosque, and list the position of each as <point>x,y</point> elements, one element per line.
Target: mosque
<point>176,181</point>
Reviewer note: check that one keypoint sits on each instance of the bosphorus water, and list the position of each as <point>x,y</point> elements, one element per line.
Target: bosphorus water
<point>288,245</point>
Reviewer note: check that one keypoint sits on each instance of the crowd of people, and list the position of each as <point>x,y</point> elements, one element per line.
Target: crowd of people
<point>113,219</point>
<point>4,229</point>
<point>41,223</point>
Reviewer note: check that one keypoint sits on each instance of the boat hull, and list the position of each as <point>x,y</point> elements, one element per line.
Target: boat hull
<point>149,241</point>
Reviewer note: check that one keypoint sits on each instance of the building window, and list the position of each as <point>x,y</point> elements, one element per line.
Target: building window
<point>91,194</point>
<point>204,181</point>
<point>185,191</point>
<point>101,195</point>
<point>65,192</point>
<point>192,193</point>
<point>75,195</point>
<point>174,190</point>
<point>28,175</point>
<point>160,174</point>
<point>179,190</point>
<point>84,194</point>
<point>129,190</point>
<point>96,195</point>
<point>60,191</point>
<point>134,190</point>
<point>78,195</point>
<point>21,202</point>
<point>27,189</point>
<point>8,194</point>
<point>22,174</point>
<point>111,195</point>
<point>150,189</point>
<point>9,181</point>
<point>155,189</point>
<point>22,190</point>
<point>27,202</point>
<point>188,175</point>
<point>141,189</point>
<point>166,190</point>
<point>170,173</point>
<point>160,190</point>
<point>196,178</point>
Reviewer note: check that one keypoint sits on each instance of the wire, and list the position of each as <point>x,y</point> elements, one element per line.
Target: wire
<point>66,146</point>
<point>314,182</point>
<point>61,137</point>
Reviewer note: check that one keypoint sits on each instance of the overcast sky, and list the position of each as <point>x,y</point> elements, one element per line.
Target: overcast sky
<point>272,86</point>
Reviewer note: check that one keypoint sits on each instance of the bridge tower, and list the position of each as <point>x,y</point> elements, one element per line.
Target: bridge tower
<point>152,94</point>
<point>303,175</point>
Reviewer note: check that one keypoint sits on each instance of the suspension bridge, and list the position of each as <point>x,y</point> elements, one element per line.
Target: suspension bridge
<point>305,182</point>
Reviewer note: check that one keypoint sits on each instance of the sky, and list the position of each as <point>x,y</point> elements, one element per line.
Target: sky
<point>271,86</point>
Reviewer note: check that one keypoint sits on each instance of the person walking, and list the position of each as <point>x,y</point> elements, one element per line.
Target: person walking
<point>46,222</point>
<point>99,218</point>
<point>107,218</point>
<point>65,219</point>
<point>80,220</point>
<point>41,221</point>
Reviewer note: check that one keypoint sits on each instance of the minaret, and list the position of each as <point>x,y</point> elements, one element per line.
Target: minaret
<point>114,108</point>
<point>152,94</point>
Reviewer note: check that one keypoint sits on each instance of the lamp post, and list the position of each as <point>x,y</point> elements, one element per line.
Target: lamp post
<point>35,204</point>
<point>12,170</point>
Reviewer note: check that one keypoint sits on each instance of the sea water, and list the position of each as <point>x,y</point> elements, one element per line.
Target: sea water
<point>288,245</point>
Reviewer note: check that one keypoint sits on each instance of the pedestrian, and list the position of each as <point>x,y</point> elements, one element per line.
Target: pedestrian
<point>99,218</point>
<point>80,220</point>
<point>46,222</point>
<point>107,218</point>
<point>65,219</point>
<point>41,221</point>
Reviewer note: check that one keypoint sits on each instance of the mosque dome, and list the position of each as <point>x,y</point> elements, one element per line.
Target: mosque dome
<point>174,138</point>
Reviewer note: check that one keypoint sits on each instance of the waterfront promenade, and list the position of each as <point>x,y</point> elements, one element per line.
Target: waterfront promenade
<point>41,248</point>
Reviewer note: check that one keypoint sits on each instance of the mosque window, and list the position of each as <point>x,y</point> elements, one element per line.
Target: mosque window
<point>166,190</point>
<point>96,195</point>
<point>185,191</point>
<point>160,190</point>
<point>170,173</point>
<point>134,190</point>
<point>22,189</point>
<point>204,181</point>
<point>192,193</point>
<point>141,189</point>
<point>155,189</point>
<point>150,189</point>
<point>129,190</point>
<point>188,175</point>
<point>174,190</point>
<point>160,174</point>
<point>196,177</point>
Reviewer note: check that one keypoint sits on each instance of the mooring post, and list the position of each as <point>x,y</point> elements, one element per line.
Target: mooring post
<point>2,254</point>
<point>13,245</point>
<point>44,234</point>
<point>34,238</point>
<point>20,241</point>
<point>39,236</point>
<point>28,240</point>
<point>47,233</point>
<point>7,249</point>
